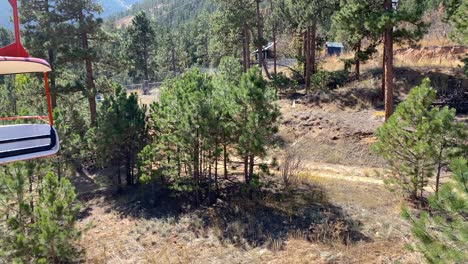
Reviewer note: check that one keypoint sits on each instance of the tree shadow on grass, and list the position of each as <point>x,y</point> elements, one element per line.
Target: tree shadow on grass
<point>273,216</point>
<point>265,217</point>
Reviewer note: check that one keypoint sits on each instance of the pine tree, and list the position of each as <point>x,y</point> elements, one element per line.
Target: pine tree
<point>350,25</point>
<point>141,38</point>
<point>388,22</point>
<point>416,141</point>
<point>54,221</point>
<point>305,17</point>
<point>442,232</point>
<point>40,212</point>
<point>42,36</point>
<point>455,13</point>
<point>84,37</point>
<point>256,119</point>
<point>236,19</point>
<point>121,133</point>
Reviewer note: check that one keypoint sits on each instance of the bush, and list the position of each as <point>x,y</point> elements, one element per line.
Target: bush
<point>280,81</point>
<point>290,169</point>
<point>320,80</point>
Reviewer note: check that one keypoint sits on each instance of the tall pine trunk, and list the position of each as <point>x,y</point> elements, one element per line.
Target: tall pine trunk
<point>251,166</point>
<point>90,88</point>
<point>145,59</point>
<point>358,62</point>
<point>246,169</point>
<point>307,66</point>
<point>51,54</point>
<point>388,66</point>
<point>225,159</point>
<point>52,83</point>
<point>312,44</point>
<point>210,177</point>
<point>382,88</point>
<point>439,168</point>
<point>196,168</point>
<point>244,49</point>
<point>216,176</point>
<point>259,36</point>
<point>244,60</point>
<point>274,42</point>
<point>304,53</point>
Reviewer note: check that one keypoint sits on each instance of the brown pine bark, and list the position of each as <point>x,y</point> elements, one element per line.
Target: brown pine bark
<point>251,166</point>
<point>307,60</point>
<point>275,59</point>
<point>145,59</point>
<point>388,63</point>
<point>52,82</point>
<point>246,169</point>
<point>90,88</point>
<point>358,62</point>
<point>312,44</point>
<point>275,71</point>
<point>247,47</point>
<point>301,45</point>
<point>259,36</point>
<point>244,50</point>
<point>382,88</point>
<point>304,53</point>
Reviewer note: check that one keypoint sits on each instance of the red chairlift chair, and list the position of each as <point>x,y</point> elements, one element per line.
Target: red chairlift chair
<point>25,141</point>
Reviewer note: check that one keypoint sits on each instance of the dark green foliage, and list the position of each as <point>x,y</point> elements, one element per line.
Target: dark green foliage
<point>350,24</point>
<point>441,232</point>
<point>256,118</point>
<point>71,129</point>
<point>121,132</point>
<point>199,119</point>
<point>6,36</point>
<point>140,41</point>
<point>320,80</point>
<point>418,140</point>
<point>40,213</point>
<point>455,13</point>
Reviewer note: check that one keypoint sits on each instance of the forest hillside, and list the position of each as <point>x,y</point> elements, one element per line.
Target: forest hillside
<point>235,131</point>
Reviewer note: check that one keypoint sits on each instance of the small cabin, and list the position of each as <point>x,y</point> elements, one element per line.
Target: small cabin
<point>267,52</point>
<point>334,48</point>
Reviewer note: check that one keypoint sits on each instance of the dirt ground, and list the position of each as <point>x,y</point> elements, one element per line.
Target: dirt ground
<point>122,230</point>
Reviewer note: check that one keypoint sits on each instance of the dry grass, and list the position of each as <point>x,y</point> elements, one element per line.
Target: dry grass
<point>146,99</point>
<point>434,55</point>
<point>211,235</point>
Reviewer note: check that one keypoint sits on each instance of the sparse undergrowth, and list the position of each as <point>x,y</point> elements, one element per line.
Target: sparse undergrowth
<point>315,218</point>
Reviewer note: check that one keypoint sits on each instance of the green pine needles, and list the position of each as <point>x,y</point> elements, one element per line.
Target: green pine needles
<point>442,231</point>
<point>201,121</point>
<point>419,140</point>
<point>38,216</point>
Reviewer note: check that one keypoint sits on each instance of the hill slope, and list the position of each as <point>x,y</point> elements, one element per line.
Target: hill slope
<point>110,7</point>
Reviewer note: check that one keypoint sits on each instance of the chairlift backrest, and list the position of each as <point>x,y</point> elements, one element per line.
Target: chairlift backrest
<point>25,141</point>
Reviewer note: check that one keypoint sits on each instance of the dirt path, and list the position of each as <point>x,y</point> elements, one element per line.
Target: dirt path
<point>343,172</point>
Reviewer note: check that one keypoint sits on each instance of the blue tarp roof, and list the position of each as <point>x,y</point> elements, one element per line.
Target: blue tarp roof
<point>334,45</point>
